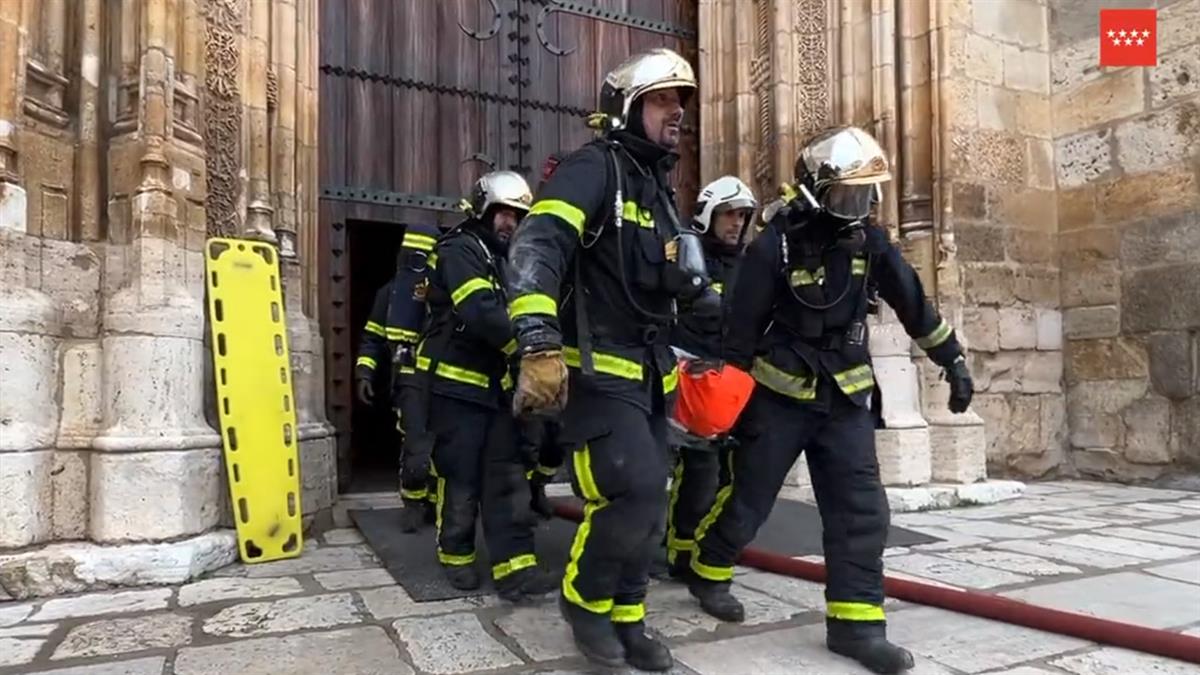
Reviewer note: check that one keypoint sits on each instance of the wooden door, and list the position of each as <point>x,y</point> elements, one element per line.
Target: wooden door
<point>420,97</point>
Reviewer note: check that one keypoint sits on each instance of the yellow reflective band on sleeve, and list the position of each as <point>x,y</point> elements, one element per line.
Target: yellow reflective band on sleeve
<point>936,337</point>
<point>854,611</point>
<point>366,361</point>
<point>375,329</point>
<point>513,565</point>
<point>565,211</point>
<point>402,334</point>
<point>608,364</point>
<point>421,242</point>
<point>718,287</point>
<point>432,260</point>
<point>509,347</point>
<point>799,387</point>
<point>858,267</point>
<point>407,370</point>
<point>710,572</point>
<point>468,287</point>
<point>628,613</point>
<point>594,501</point>
<point>454,373</point>
<point>632,212</point>
<point>671,380</point>
<point>534,303</point>
<point>855,379</point>
<point>419,495</point>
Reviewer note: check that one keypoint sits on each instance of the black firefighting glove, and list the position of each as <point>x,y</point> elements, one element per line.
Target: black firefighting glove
<point>961,386</point>
<point>365,390</point>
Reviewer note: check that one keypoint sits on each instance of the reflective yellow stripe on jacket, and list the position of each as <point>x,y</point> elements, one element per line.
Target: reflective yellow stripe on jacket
<point>565,211</point>
<point>421,242</point>
<point>633,212</point>
<point>619,366</point>
<point>799,387</point>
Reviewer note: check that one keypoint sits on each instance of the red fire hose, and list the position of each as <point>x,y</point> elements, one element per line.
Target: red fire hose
<point>1115,633</point>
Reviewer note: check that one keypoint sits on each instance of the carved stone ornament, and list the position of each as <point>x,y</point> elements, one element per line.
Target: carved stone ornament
<point>272,89</point>
<point>812,73</point>
<point>223,114</point>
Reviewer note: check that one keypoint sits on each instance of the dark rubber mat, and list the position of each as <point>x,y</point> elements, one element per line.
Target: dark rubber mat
<point>412,561</point>
<point>794,529</point>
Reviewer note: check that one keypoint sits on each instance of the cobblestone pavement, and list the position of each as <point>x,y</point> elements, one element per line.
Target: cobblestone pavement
<point>1124,553</point>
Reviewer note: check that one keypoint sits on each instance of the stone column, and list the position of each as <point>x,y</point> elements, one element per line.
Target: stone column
<point>155,474</point>
<point>29,321</point>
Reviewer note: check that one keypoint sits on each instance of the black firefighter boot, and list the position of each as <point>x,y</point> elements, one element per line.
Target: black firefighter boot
<point>642,651</point>
<point>526,584</point>
<point>716,600</point>
<point>594,634</point>
<point>867,643</point>
<point>462,577</point>
<point>412,516</point>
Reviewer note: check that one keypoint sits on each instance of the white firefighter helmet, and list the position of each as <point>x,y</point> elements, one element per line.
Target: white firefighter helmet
<point>658,68</point>
<point>840,170</point>
<point>499,188</point>
<point>726,192</point>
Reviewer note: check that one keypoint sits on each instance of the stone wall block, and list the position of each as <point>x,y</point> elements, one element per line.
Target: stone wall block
<point>1148,431</point>
<point>26,501</point>
<point>998,373</point>
<point>1030,246</point>
<point>984,59</point>
<point>1053,423</point>
<point>1083,323</point>
<point>1041,372</point>
<point>1185,431</point>
<point>997,106</point>
<point>139,496</point>
<point>1074,64</point>
<point>1097,285</point>
<point>1025,425</point>
<point>1026,69</point>
<point>82,409</point>
<point>904,456</point>
<point>1082,249</point>
<point>1111,97</point>
<point>970,201</point>
<point>1161,298</point>
<point>981,328</point>
<point>1176,77</point>
<point>1076,208</point>
<point>989,156</point>
<point>1094,411</point>
<point>1167,191</point>
<point>1106,359</point>
<point>961,104</point>
<point>979,242</point>
<point>69,494</point>
<point>1018,328</point>
<point>70,274</point>
<point>1178,25</point>
<point>1040,156</point>
<point>958,453</point>
<point>996,413</point>
<point>1023,207</point>
<point>1108,464</point>
<point>1037,285</point>
<point>1173,365</point>
<point>1022,22</point>
<point>988,284</point>
<point>1169,239</point>
<point>1163,139</point>
<point>318,474</point>
<point>28,386</point>
<point>1049,329</point>
<point>1082,158</point>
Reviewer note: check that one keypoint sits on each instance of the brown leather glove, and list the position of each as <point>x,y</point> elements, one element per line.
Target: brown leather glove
<point>541,384</point>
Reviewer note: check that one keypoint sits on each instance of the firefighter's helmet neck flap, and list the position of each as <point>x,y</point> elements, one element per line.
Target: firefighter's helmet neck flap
<point>495,192</point>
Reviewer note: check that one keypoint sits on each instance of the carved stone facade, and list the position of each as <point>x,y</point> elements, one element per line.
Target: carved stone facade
<point>1058,230</point>
<point>123,145</point>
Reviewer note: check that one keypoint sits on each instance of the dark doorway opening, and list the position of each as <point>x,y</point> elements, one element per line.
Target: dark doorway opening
<point>374,441</point>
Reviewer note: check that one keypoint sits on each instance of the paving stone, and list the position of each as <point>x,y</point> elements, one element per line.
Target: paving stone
<point>218,590</point>
<point>330,559</point>
<point>540,632</point>
<point>1110,660</point>
<point>1121,515</point>
<point>343,536</point>
<point>1192,631</point>
<point>452,643</point>
<point>107,602</point>
<point>1024,670</point>
<point>281,616</point>
<point>1074,555</point>
<point>1133,493</point>
<point>923,518</point>
<point>337,581</point>
<point>1012,562</point>
<point>673,612</point>
<point>118,636</point>
<point>950,539</point>
<point>1190,528</point>
<point>1151,536</point>
<point>1052,522</point>
<point>1140,549</point>
<point>954,572</point>
<point>14,614</point>
<point>993,530</point>
<point>1184,571</point>
<point>1142,599</point>
<point>29,630</point>
<point>793,650</point>
<point>1047,488</point>
<point>1165,507</point>
<point>972,644</point>
<point>148,666</point>
<point>393,602</point>
<point>351,651</point>
<point>796,592</point>
<point>895,574</point>
<point>15,652</point>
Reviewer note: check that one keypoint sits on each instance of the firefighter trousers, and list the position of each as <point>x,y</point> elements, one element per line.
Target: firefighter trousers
<point>840,448</point>
<point>694,486</point>
<point>417,486</point>
<point>478,471</point>
<point>618,461</point>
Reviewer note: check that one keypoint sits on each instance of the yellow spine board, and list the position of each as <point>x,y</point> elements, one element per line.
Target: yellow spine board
<point>255,400</point>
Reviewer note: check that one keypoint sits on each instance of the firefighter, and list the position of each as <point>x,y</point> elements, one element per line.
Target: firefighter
<point>386,356</point>
<point>604,242</point>
<point>723,212</point>
<point>463,387</point>
<point>798,324</point>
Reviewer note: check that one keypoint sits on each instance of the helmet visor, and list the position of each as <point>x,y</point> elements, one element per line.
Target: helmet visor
<point>851,202</point>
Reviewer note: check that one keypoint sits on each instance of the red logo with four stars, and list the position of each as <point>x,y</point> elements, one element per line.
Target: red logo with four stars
<point>1128,37</point>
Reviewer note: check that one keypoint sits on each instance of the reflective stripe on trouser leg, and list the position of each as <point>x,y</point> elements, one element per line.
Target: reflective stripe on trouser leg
<point>699,473</point>
<point>854,513</point>
<point>515,564</point>
<point>714,572</point>
<point>593,502</point>
<point>674,544</point>
<point>629,613</point>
